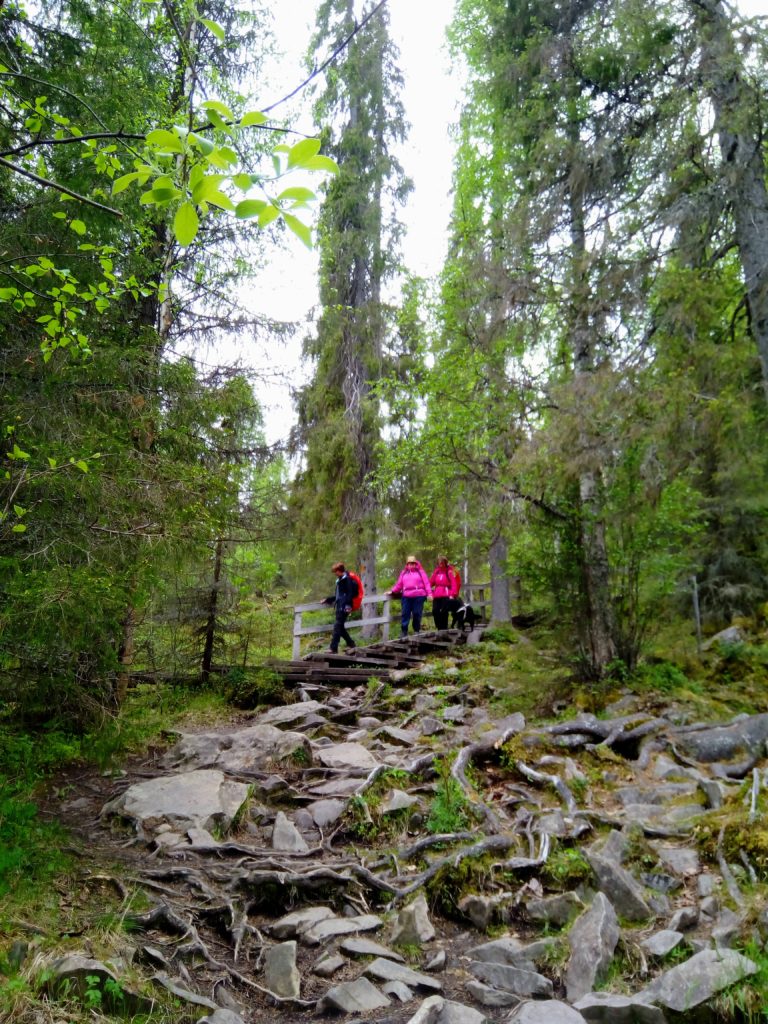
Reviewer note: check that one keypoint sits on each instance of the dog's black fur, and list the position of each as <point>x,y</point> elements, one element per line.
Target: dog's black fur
<point>463,616</point>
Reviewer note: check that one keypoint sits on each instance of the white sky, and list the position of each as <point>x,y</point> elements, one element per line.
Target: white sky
<point>287,290</point>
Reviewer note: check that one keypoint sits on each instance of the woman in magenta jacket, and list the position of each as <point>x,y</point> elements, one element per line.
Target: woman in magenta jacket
<point>445,585</point>
<point>413,584</point>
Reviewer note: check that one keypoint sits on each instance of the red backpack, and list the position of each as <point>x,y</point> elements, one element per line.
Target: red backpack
<point>357,600</point>
<point>455,572</point>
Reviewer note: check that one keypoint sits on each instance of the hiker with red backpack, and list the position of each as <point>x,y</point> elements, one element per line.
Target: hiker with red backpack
<point>446,584</point>
<point>348,597</point>
<point>413,584</point>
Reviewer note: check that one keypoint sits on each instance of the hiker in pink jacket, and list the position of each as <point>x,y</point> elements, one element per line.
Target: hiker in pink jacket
<point>413,584</point>
<point>445,584</point>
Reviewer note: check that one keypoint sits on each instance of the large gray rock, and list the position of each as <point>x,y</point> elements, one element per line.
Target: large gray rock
<point>285,836</point>
<point>281,975</point>
<point>437,1010</point>
<point>549,1012</point>
<point>662,942</point>
<point>360,996</point>
<point>357,945</point>
<point>413,926</point>
<point>335,926</point>
<point>76,974</point>
<point>511,979</point>
<point>243,750</point>
<point>694,982</point>
<point>748,736</point>
<point>221,1016</point>
<point>680,860</point>
<point>555,910</point>
<point>198,799</point>
<point>298,921</point>
<point>592,940</point>
<point>350,757</point>
<point>620,887</point>
<point>289,713</point>
<point>606,1008</point>
<point>488,996</point>
<point>326,812</point>
<point>387,970</point>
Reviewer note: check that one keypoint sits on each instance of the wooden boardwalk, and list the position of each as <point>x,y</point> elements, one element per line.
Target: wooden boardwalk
<point>374,660</point>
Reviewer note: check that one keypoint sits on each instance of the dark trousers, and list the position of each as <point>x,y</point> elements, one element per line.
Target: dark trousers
<point>440,608</point>
<point>412,606</point>
<point>340,631</point>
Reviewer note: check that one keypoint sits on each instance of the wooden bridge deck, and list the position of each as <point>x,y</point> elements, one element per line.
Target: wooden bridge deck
<point>373,660</point>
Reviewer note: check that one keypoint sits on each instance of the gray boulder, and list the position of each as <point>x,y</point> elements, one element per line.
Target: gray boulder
<point>549,1012</point>
<point>298,921</point>
<point>592,940</point>
<point>198,799</point>
<point>387,970</point>
<point>335,926</point>
<point>511,979</point>
<point>285,836</point>
<point>360,996</point>
<point>437,1010</point>
<point>281,975</point>
<point>620,887</point>
<point>413,926</point>
<point>694,982</point>
<point>244,750</point>
<point>747,735</point>
<point>607,1008</point>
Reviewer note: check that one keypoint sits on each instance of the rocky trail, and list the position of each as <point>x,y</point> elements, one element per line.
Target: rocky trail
<point>394,853</point>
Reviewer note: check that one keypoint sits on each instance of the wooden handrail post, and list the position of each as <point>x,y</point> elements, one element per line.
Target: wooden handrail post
<point>385,614</point>
<point>296,636</point>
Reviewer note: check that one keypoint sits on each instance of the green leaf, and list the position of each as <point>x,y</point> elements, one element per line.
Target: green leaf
<point>52,462</point>
<point>302,151</point>
<point>298,193</point>
<point>321,163</point>
<point>185,224</point>
<point>219,108</point>
<point>204,145</point>
<point>251,118</point>
<point>166,141</point>
<point>18,528</point>
<point>249,208</point>
<point>121,184</point>
<point>217,121</point>
<point>216,29</point>
<point>6,294</point>
<point>299,229</point>
<point>82,466</point>
<point>267,215</point>
<point>221,200</point>
<point>207,186</point>
<point>18,453</point>
<point>78,227</point>
<point>243,181</point>
<point>19,510</point>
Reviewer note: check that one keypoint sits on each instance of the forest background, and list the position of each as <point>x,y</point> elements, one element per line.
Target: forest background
<point>577,403</point>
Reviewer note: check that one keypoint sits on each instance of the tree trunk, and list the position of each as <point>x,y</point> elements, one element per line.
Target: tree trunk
<point>125,655</point>
<point>500,599</point>
<point>212,619</point>
<point>738,120</point>
<point>597,625</point>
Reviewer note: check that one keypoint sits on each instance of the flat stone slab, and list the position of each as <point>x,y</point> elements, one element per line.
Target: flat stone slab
<point>359,946</point>
<point>335,926</point>
<point>204,799</point>
<point>386,970</point>
<point>698,979</point>
<point>662,942</point>
<point>550,1011</point>
<point>360,996</point>
<point>351,757</point>
<point>298,921</point>
<point>288,713</point>
<point>606,1008</point>
<point>244,750</point>
<point>326,812</point>
<point>437,1010</point>
<point>511,979</point>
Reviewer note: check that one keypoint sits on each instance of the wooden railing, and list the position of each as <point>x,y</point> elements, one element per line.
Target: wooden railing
<point>475,593</point>
<point>367,619</point>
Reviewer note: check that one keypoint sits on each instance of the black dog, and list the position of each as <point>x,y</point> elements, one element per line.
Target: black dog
<point>462,615</point>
